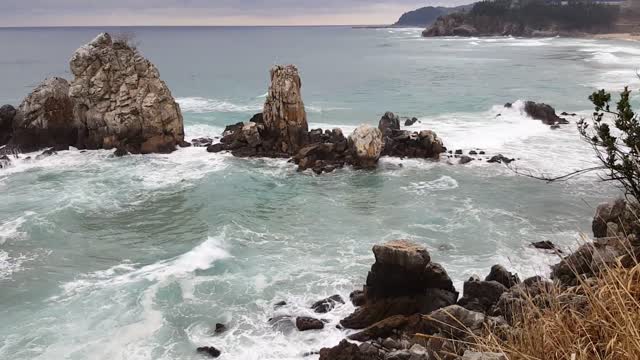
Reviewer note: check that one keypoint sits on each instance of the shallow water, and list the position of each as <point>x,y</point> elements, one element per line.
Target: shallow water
<point>139,257</point>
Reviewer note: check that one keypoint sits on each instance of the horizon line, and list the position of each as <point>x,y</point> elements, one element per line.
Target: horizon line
<point>187,26</point>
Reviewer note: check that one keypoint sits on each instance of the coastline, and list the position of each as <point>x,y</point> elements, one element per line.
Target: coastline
<point>615,36</point>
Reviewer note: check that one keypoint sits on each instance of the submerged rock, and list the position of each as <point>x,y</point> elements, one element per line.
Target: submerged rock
<point>5,161</point>
<point>326,305</point>
<point>304,323</point>
<point>545,245</point>
<point>210,351</point>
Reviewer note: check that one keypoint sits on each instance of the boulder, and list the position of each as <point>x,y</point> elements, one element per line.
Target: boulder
<point>512,302</point>
<point>326,305</point>
<point>202,142</point>
<point>456,322</point>
<point>343,351</point>
<point>45,118</point>
<point>357,298</point>
<point>503,276</point>
<point>5,161</point>
<point>588,259</point>
<point>120,152</point>
<point>424,144</point>
<point>616,212</point>
<point>474,355</point>
<point>464,159</point>
<point>545,245</point>
<point>366,146</point>
<point>500,159</point>
<point>402,281</point>
<point>220,328</point>
<point>304,323</point>
<point>209,351</point>
<point>119,99</point>
<point>7,114</point>
<point>327,152</point>
<point>284,115</point>
<point>402,253</point>
<point>410,121</point>
<point>543,112</point>
<point>388,123</point>
<point>381,329</point>
<point>481,296</point>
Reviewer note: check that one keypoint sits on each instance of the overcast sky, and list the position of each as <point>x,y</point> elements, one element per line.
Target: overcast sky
<point>207,12</point>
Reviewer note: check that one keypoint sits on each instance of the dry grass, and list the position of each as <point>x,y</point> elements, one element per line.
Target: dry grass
<point>597,319</point>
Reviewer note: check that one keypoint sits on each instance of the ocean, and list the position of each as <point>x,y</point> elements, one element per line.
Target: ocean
<point>139,257</point>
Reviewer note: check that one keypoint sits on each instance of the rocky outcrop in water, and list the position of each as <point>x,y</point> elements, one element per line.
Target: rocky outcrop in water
<point>116,100</point>
<point>543,112</point>
<point>401,143</point>
<point>403,281</point>
<point>119,100</point>
<point>285,119</point>
<point>45,118</point>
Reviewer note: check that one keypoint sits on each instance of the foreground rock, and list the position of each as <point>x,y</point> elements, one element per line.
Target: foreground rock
<point>116,100</point>
<point>304,323</point>
<point>403,281</point>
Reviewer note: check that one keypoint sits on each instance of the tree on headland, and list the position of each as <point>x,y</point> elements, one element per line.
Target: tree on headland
<point>618,149</point>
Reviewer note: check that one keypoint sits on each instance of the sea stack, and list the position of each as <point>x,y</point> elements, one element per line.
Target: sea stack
<point>120,101</point>
<point>284,114</point>
<point>116,100</point>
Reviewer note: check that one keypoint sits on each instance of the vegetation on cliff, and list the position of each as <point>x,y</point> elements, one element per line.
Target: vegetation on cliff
<point>504,17</point>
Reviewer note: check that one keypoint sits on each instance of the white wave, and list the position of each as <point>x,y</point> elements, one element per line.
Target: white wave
<point>10,265</point>
<point>201,257</point>
<point>204,105</point>
<point>263,95</point>
<point>12,229</point>
<point>426,187</point>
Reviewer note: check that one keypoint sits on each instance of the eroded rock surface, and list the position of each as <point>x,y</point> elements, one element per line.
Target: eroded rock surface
<point>119,100</point>
<point>284,115</point>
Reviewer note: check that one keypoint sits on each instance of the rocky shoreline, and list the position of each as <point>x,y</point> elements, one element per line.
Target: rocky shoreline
<point>409,309</point>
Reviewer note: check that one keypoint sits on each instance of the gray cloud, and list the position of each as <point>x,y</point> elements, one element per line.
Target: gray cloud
<point>203,12</point>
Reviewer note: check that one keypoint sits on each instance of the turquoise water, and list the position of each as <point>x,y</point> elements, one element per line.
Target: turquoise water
<point>139,257</point>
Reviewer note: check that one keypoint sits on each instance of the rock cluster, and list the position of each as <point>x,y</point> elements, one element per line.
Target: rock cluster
<point>402,143</point>
<point>615,228</point>
<point>459,24</point>
<point>116,100</point>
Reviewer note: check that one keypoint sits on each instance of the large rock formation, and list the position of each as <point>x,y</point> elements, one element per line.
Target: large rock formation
<point>120,101</point>
<point>45,118</point>
<point>403,281</point>
<point>116,100</point>
<point>284,115</point>
<point>366,146</point>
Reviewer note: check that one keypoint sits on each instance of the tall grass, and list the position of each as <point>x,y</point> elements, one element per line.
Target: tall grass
<point>597,319</point>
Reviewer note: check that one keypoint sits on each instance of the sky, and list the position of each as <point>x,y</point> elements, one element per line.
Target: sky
<point>207,12</point>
